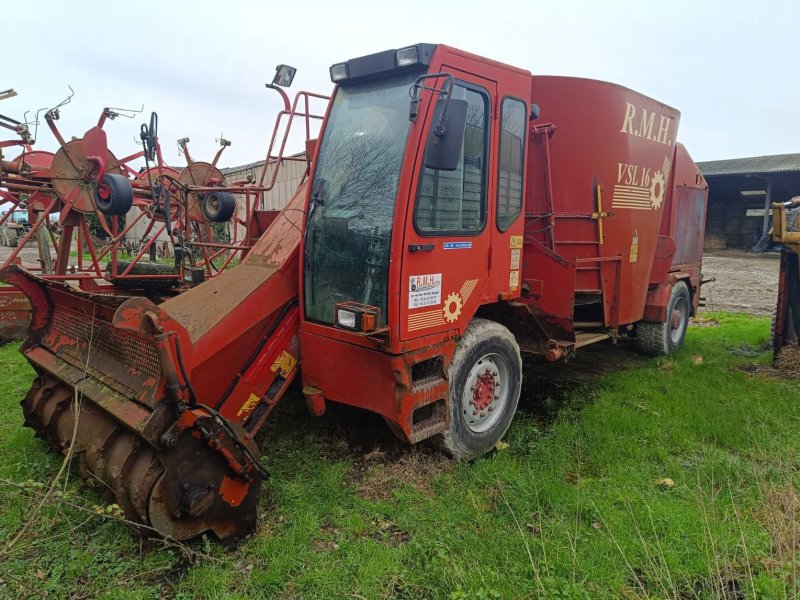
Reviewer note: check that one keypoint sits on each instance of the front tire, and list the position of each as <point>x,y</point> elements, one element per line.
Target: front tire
<point>485,380</point>
<point>667,336</point>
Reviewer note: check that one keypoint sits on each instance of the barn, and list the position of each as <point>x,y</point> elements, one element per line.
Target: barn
<point>740,191</point>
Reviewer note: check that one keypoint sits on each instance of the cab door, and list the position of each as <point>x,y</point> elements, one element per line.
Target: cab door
<point>446,247</point>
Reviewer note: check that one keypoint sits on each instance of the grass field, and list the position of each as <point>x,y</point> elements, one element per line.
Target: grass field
<point>622,477</point>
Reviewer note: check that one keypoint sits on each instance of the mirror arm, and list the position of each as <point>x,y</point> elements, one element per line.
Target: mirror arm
<point>447,88</point>
<point>286,104</point>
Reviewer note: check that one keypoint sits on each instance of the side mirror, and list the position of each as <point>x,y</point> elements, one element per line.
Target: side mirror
<point>446,137</point>
<point>535,110</point>
<point>284,75</point>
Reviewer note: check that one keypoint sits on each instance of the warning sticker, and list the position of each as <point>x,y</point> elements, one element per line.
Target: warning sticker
<point>425,290</point>
<point>513,280</point>
<point>634,257</point>
<point>515,252</point>
<point>515,241</point>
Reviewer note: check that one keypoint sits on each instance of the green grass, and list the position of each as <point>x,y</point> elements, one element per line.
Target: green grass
<point>578,504</point>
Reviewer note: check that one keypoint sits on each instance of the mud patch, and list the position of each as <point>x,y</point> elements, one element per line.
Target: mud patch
<point>385,532</point>
<point>549,388</point>
<point>703,320</point>
<point>328,542</point>
<point>377,476</point>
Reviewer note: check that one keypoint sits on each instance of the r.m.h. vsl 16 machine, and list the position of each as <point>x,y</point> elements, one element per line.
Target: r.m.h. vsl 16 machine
<point>448,224</point>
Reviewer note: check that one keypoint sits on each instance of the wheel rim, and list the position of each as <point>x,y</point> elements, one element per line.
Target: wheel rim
<point>677,325</point>
<point>485,393</point>
<point>213,205</point>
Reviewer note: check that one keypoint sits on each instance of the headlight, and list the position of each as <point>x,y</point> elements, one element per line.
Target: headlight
<point>339,72</point>
<point>407,56</point>
<point>346,318</point>
<point>357,317</point>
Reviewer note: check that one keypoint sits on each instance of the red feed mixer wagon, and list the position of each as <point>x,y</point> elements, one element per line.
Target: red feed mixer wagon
<point>458,212</point>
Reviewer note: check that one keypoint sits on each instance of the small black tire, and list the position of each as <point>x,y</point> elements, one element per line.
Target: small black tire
<point>113,196</point>
<point>487,358</point>
<point>667,336</point>
<point>218,207</point>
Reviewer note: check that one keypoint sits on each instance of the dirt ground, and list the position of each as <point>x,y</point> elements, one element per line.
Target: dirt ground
<point>745,281</point>
<point>29,255</point>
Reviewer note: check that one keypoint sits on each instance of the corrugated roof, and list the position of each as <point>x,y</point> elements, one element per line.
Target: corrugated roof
<point>775,163</point>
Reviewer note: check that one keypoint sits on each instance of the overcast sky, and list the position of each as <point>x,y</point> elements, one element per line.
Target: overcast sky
<point>731,68</point>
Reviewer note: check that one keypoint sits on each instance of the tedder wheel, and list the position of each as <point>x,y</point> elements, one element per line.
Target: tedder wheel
<point>667,336</point>
<point>485,381</point>
<point>113,196</point>
<point>218,207</point>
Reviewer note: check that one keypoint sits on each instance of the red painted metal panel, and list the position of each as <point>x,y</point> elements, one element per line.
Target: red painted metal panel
<point>626,143</point>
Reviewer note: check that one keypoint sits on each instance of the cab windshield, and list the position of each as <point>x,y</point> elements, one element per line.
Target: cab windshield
<point>353,196</point>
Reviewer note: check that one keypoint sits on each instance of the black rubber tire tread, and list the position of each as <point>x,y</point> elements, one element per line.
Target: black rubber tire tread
<point>225,209</point>
<point>10,238</point>
<point>143,268</point>
<point>653,338</point>
<point>481,336</point>
<point>120,200</point>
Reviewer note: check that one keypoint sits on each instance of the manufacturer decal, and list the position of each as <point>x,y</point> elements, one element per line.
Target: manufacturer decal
<point>11,300</point>
<point>424,320</point>
<point>639,188</point>
<point>641,123</point>
<point>515,241</point>
<point>424,290</point>
<point>452,308</point>
<point>457,245</point>
<point>515,253</point>
<point>449,313</point>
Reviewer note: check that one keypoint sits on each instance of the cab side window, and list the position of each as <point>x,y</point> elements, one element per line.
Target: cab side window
<point>454,202</point>
<point>511,159</point>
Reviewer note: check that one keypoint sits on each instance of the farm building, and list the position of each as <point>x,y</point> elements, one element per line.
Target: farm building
<point>289,176</point>
<point>740,191</point>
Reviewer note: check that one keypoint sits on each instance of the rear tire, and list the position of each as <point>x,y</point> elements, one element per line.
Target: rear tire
<point>485,380</point>
<point>667,336</point>
<point>10,237</point>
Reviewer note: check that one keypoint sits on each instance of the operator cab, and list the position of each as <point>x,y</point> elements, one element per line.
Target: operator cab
<point>417,182</point>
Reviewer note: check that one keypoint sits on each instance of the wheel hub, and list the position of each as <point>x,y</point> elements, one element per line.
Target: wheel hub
<point>676,319</point>
<point>483,391</point>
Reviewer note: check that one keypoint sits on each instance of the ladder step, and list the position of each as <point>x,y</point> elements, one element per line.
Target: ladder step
<point>584,338</point>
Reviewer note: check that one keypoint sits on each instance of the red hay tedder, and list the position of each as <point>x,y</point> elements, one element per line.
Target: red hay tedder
<point>193,220</point>
<point>458,212</point>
